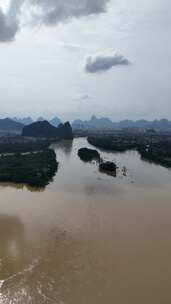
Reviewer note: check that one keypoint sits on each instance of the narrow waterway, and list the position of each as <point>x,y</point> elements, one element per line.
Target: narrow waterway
<point>88,237</point>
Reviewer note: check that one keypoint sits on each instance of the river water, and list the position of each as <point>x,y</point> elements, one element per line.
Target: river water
<point>88,237</point>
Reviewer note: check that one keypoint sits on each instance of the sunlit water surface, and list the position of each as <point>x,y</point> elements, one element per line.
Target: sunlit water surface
<point>88,237</point>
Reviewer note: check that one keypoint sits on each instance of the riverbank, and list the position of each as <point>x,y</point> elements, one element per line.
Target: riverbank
<point>152,147</point>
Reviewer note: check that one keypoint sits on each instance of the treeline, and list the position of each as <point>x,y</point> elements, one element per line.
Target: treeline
<point>23,146</point>
<point>34,169</point>
<point>155,148</point>
<point>111,143</point>
<point>157,152</point>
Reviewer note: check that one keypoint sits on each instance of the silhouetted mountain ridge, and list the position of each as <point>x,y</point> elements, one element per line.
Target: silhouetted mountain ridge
<point>9,125</point>
<point>55,121</point>
<point>43,129</point>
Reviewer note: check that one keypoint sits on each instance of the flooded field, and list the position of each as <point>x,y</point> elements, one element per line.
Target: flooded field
<point>88,237</point>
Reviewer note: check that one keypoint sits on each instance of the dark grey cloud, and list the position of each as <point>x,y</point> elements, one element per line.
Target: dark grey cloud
<point>9,22</point>
<point>52,12</point>
<point>7,29</point>
<point>103,62</point>
<point>48,12</point>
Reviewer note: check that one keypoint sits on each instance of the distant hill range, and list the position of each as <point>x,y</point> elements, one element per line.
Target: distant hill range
<point>43,129</point>
<point>55,122</point>
<point>9,125</point>
<point>16,125</point>
<point>106,124</point>
<point>25,120</point>
<point>29,120</point>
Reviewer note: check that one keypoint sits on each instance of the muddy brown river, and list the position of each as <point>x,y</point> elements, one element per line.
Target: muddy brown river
<point>88,237</point>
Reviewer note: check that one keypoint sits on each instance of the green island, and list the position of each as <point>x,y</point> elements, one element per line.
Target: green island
<point>33,169</point>
<point>87,155</point>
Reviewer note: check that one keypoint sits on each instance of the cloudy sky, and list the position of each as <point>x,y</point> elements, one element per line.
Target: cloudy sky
<point>75,58</point>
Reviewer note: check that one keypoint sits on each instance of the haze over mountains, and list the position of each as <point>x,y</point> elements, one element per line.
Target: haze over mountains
<point>9,125</point>
<point>104,123</point>
<point>28,120</point>
<point>107,124</point>
<point>24,120</point>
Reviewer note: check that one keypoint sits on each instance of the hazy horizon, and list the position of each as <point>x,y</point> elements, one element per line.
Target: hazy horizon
<point>109,55</point>
<point>49,118</point>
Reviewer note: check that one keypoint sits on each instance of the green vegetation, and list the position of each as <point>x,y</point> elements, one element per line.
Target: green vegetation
<point>22,146</point>
<point>108,166</point>
<point>113,143</point>
<point>88,155</point>
<point>34,169</point>
<point>155,147</point>
<point>159,154</point>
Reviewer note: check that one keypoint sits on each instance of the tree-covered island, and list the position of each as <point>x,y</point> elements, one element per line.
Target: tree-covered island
<point>34,169</point>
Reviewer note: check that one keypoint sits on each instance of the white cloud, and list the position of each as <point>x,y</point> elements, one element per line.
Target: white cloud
<point>102,62</point>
